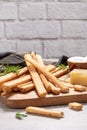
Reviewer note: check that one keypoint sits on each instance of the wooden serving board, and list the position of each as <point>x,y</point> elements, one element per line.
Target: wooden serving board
<point>19,100</point>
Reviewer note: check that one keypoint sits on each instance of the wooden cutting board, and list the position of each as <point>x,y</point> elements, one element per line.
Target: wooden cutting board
<point>18,100</point>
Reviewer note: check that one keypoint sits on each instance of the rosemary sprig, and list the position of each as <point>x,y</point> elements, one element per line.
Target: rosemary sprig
<point>10,68</point>
<point>62,66</point>
<point>20,115</point>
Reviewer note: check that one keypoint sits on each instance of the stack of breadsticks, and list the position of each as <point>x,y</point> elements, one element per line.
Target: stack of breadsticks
<point>44,79</point>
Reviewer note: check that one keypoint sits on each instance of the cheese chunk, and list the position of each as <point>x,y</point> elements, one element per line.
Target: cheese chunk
<point>78,76</point>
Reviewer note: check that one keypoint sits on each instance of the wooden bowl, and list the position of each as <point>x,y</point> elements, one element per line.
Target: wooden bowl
<point>77,62</point>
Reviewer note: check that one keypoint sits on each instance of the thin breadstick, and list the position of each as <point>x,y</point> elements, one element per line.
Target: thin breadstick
<point>12,75</point>
<point>44,112</point>
<point>50,67</point>
<point>60,73</point>
<point>45,82</point>
<point>55,70</point>
<point>55,90</point>
<point>33,56</point>
<point>7,77</point>
<point>23,84</point>
<point>36,80</point>
<point>53,79</point>
<point>79,88</point>
<point>49,86</point>
<point>26,87</point>
<point>69,85</point>
<point>8,86</point>
<point>43,78</point>
<point>22,71</point>
<point>75,106</point>
<point>40,61</point>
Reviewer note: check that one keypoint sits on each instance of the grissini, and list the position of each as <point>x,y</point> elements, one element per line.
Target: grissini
<point>36,80</point>
<point>26,87</point>
<point>55,90</point>
<point>55,70</point>
<point>8,86</point>
<point>43,78</point>
<point>50,67</point>
<point>44,112</point>
<point>45,82</point>
<point>60,73</point>
<point>49,86</point>
<point>53,79</point>
<point>12,75</point>
<point>79,88</point>
<point>40,61</point>
<point>33,55</point>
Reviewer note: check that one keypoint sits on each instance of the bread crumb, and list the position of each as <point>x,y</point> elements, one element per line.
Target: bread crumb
<point>75,106</point>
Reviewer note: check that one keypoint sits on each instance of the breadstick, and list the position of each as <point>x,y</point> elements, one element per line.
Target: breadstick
<point>50,67</point>
<point>8,86</point>
<point>43,78</point>
<point>7,77</point>
<point>69,85</point>
<point>36,80</point>
<point>55,90</point>
<point>23,84</point>
<point>26,87</point>
<point>45,82</point>
<point>60,73</point>
<point>44,112</point>
<point>75,106</point>
<point>55,70</point>
<point>40,61</point>
<point>79,88</point>
<point>12,75</point>
<point>33,56</point>
<point>53,79</point>
<point>22,71</point>
<point>49,86</point>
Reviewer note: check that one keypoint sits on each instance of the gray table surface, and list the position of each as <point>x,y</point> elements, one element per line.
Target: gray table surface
<point>72,120</point>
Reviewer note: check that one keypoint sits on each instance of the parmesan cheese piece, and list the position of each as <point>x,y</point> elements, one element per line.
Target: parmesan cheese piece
<point>78,76</point>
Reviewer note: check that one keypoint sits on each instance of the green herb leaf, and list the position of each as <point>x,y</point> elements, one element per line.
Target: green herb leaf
<point>62,66</point>
<point>10,68</point>
<point>20,115</point>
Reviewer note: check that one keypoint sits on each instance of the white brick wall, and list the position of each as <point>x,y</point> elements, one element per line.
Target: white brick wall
<point>32,11</point>
<point>49,27</point>
<point>74,10</point>
<point>8,11</point>
<point>33,29</point>
<point>1,30</point>
<point>31,45</point>
<point>74,29</point>
<point>7,45</point>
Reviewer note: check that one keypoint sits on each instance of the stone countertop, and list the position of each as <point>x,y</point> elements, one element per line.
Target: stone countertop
<point>73,120</point>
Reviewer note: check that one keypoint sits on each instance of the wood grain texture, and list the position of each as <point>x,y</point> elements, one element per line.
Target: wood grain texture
<point>18,100</point>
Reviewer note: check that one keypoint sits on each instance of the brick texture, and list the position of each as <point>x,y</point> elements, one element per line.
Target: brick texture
<point>32,11</point>
<point>33,29</point>
<point>8,11</point>
<point>49,27</point>
<point>74,29</point>
<point>7,46</point>
<point>67,10</point>
<point>32,45</point>
<point>1,30</point>
<point>65,47</point>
